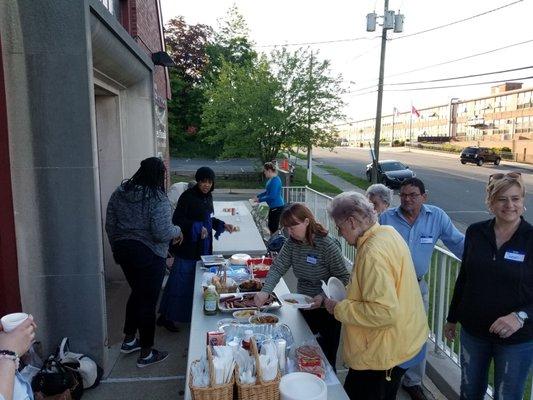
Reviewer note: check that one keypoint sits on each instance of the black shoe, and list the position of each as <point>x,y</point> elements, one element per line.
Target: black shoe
<point>169,325</point>
<point>416,392</point>
<point>155,357</point>
<point>130,348</point>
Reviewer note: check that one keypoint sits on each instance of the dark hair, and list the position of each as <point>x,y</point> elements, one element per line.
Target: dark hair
<point>295,213</point>
<point>150,178</point>
<point>269,166</point>
<point>414,182</point>
<point>205,174</point>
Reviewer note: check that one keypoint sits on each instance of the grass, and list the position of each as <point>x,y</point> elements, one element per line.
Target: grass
<point>221,183</point>
<point>354,180</point>
<point>301,156</point>
<point>319,184</point>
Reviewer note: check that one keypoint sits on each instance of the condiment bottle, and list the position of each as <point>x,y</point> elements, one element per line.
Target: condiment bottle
<point>248,333</point>
<point>210,300</point>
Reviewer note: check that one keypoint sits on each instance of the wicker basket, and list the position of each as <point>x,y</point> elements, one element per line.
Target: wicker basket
<point>260,390</point>
<point>213,392</point>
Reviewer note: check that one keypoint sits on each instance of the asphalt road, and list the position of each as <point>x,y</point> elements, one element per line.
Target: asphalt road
<point>458,189</point>
<point>219,166</point>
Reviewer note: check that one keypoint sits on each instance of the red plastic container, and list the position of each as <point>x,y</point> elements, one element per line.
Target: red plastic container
<point>254,262</point>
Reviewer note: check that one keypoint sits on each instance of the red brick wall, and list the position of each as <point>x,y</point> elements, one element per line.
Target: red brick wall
<point>146,29</point>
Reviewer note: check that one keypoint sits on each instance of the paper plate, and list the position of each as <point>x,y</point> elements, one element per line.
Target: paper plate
<point>302,385</point>
<point>336,289</point>
<point>297,300</point>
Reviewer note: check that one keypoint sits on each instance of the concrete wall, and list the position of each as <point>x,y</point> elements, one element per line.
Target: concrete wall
<point>54,169</point>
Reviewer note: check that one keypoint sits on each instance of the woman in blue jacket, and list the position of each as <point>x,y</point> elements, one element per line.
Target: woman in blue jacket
<point>273,196</point>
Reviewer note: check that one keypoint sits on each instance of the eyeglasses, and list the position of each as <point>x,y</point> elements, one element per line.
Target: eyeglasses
<point>512,175</point>
<point>411,196</point>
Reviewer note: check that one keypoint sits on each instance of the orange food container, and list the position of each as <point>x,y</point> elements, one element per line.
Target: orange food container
<point>260,266</point>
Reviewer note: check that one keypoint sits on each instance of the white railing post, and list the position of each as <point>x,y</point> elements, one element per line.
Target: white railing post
<point>440,303</point>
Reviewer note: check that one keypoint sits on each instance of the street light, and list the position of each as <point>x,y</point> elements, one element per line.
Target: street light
<point>390,21</point>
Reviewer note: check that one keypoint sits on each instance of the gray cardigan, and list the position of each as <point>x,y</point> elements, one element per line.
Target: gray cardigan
<point>147,220</point>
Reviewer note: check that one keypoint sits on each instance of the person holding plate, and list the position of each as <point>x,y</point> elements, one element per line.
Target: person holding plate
<point>314,257</point>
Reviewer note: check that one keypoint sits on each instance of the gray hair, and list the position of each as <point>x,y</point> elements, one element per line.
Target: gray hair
<point>352,204</point>
<point>381,191</point>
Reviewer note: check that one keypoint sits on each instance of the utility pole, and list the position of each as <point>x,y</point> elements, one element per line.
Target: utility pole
<point>309,146</point>
<point>390,21</point>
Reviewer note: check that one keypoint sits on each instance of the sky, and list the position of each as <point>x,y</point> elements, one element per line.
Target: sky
<point>279,22</point>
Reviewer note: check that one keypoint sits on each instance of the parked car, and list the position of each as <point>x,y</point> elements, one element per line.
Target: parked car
<point>479,155</point>
<point>391,173</point>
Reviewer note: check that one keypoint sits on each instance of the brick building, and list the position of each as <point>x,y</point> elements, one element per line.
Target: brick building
<point>81,104</point>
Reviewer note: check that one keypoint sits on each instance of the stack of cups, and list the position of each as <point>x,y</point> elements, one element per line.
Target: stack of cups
<point>281,347</point>
<point>11,321</point>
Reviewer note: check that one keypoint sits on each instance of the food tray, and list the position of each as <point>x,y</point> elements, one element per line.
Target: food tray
<point>215,259</point>
<point>276,303</point>
<point>255,262</point>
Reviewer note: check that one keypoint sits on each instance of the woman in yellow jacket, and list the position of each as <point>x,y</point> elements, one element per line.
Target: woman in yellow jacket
<point>385,326</point>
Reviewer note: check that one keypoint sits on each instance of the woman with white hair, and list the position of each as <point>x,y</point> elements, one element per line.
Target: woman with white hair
<point>385,326</point>
<point>380,196</point>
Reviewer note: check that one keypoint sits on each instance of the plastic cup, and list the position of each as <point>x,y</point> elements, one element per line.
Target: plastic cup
<point>11,321</point>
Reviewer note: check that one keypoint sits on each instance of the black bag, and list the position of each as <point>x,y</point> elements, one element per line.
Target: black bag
<point>55,377</point>
<point>276,242</point>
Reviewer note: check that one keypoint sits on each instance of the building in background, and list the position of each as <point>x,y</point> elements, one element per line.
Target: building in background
<point>502,119</point>
<point>81,104</point>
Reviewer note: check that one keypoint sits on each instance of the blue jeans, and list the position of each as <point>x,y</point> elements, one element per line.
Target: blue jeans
<point>512,363</point>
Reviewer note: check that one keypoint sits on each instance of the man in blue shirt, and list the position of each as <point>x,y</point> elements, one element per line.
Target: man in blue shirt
<point>421,226</point>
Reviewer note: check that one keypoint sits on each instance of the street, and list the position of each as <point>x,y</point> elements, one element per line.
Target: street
<point>458,189</point>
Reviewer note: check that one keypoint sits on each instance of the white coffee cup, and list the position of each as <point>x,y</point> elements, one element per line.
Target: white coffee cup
<point>11,321</point>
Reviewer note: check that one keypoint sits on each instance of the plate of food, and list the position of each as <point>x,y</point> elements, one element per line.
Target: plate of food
<point>251,285</point>
<point>245,301</point>
<point>243,315</point>
<point>264,318</point>
<point>297,300</point>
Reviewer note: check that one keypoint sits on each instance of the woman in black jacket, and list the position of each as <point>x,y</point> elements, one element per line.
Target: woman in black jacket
<point>194,214</point>
<point>493,296</point>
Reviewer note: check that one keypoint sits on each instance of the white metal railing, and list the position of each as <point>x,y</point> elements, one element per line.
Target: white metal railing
<point>441,278</point>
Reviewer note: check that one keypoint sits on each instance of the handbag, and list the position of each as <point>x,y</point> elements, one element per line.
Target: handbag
<point>87,368</point>
<point>61,396</point>
<point>54,378</point>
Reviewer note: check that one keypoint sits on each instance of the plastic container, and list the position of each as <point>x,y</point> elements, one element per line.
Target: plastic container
<point>255,262</point>
<point>210,300</point>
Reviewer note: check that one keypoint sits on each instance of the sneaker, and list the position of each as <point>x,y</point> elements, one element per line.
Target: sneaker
<point>155,357</point>
<point>128,348</point>
<point>417,392</point>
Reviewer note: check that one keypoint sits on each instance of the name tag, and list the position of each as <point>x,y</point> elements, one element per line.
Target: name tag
<point>426,240</point>
<point>311,259</point>
<point>513,255</point>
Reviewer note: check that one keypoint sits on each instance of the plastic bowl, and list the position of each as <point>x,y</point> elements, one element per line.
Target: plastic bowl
<point>244,315</point>
<point>264,318</point>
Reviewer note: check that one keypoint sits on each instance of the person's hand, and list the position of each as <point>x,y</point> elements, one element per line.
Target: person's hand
<point>260,298</point>
<point>255,199</point>
<point>203,235</point>
<point>330,305</point>
<point>229,228</point>
<point>20,339</point>
<point>450,330</point>
<point>505,326</point>
<point>317,302</point>
<point>178,240</point>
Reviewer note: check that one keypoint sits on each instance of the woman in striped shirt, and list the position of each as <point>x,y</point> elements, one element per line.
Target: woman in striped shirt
<point>314,257</point>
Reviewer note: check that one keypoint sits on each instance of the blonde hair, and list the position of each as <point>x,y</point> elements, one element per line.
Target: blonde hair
<point>496,186</point>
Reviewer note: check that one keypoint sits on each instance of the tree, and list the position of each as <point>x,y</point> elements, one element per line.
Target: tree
<point>310,97</point>
<point>243,114</point>
<point>186,45</point>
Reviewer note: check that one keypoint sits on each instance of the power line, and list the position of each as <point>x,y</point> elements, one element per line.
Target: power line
<point>320,42</point>
<point>458,21</point>
<point>448,62</point>
<point>459,77</point>
<point>460,85</point>
<point>398,37</point>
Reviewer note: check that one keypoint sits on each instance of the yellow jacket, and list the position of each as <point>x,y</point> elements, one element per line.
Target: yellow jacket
<point>383,317</point>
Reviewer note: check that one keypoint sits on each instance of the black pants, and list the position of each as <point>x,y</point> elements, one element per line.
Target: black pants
<point>373,385</point>
<point>144,272</point>
<point>273,219</point>
<point>329,331</point>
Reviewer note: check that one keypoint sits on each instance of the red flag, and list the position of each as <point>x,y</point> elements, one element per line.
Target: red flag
<point>415,111</point>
